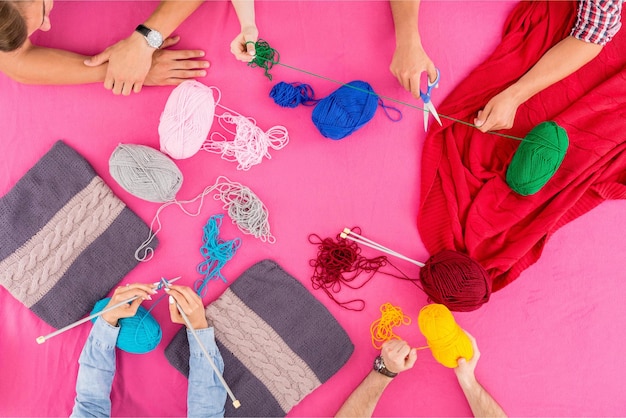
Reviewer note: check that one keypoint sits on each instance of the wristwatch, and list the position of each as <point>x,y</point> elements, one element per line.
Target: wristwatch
<point>153,37</point>
<point>379,366</point>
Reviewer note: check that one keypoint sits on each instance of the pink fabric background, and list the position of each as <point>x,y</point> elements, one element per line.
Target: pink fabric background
<point>551,342</point>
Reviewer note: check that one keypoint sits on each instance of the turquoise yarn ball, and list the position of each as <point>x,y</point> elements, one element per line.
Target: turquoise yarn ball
<point>139,334</point>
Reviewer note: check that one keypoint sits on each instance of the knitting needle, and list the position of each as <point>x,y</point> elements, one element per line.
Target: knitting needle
<point>43,338</point>
<point>369,243</point>
<point>375,245</point>
<point>236,403</point>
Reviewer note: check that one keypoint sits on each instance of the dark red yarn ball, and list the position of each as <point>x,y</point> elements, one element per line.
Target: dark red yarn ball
<point>456,281</point>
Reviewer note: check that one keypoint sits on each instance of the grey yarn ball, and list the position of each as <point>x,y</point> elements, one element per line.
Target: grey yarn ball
<point>145,172</point>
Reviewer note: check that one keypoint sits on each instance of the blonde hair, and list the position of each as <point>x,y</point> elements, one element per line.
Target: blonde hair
<point>13,31</point>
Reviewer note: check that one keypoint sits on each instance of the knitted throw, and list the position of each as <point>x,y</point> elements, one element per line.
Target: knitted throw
<point>65,239</point>
<point>277,341</point>
<point>466,204</point>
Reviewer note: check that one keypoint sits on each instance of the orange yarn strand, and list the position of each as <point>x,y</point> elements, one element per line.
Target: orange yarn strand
<point>382,329</point>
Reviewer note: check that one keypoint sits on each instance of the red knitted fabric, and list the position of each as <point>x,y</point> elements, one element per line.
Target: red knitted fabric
<point>465,203</point>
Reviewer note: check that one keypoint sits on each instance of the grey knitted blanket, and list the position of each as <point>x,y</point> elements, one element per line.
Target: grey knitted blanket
<point>65,238</point>
<point>278,342</point>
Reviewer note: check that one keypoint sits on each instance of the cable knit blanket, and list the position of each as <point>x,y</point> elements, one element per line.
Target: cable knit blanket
<point>65,238</point>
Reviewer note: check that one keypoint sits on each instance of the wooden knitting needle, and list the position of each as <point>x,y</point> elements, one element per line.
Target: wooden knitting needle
<point>346,234</point>
<point>43,338</point>
<point>231,395</point>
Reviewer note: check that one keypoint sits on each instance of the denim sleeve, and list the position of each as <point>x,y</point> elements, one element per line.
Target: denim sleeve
<point>206,396</point>
<point>96,370</point>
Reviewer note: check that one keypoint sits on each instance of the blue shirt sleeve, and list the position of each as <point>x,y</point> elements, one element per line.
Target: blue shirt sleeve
<point>96,371</point>
<point>206,396</point>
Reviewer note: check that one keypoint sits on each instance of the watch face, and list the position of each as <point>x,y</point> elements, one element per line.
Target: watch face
<point>155,39</point>
<point>378,363</point>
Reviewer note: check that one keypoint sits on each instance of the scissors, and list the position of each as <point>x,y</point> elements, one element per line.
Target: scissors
<point>428,105</point>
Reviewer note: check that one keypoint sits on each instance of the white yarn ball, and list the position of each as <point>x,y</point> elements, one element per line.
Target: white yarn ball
<point>186,120</point>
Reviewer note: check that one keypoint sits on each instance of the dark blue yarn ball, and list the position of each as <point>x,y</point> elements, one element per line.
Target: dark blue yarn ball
<point>345,110</point>
<point>292,94</point>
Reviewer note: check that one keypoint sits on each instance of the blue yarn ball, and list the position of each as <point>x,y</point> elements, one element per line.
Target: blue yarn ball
<point>139,334</point>
<point>293,94</point>
<point>345,110</point>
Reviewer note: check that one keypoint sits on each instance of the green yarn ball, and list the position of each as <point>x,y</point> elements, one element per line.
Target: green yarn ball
<point>538,157</point>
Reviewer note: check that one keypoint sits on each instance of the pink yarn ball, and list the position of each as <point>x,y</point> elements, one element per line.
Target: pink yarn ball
<point>186,120</point>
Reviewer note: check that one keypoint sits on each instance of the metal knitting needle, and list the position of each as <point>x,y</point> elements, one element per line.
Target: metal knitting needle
<point>236,403</point>
<point>369,243</point>
<point>43,338</point>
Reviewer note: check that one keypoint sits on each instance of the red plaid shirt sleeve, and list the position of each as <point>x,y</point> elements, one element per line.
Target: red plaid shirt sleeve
<point>598,20</point>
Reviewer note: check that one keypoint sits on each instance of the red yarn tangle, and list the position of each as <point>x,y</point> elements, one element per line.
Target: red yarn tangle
<point>339,262</point>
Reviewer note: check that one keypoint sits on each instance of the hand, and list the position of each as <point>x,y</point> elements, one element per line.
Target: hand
<point>170,68</point>
<point>465,369</point>
<point>190,303</point>
<point>499,112</point>
<point>241,49</point>
<point>129,63</point>
<point>143,291</point>
<point>398,356</point>
<point>409,62</point>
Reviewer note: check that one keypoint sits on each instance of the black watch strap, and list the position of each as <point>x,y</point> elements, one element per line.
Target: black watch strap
<point>144,30</point>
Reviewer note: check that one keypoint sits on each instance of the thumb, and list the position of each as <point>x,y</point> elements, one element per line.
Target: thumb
<point>174,314</point>
<point>461,361</point>
<point>432,72</point>
<point>99,59</point>
<point>170,41</point>
<point>412,358</point>
<point>479,119</point>
<point>251,49</point>
<point>134,306</point>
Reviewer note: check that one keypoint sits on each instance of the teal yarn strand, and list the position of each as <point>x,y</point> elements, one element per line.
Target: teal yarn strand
<point>216,252</point>
<point>537,158</point>
<point>266,57</point>
<point>139,334</point>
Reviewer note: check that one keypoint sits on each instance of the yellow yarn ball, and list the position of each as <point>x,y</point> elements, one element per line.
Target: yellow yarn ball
<point>444,336</point>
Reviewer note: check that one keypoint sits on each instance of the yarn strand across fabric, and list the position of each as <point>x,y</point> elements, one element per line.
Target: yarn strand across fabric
<point>216,253</point>
<point>339,263</point>
<point>382,328</point>
<point>244,208</point>
<point>249,144</point>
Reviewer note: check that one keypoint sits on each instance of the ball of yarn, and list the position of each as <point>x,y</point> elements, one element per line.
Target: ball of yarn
<point>455,280</point>
<point>145,172</point>
<point>345,110</point>
<point>292,94</point>
<point>139,334</point>
<point>447,341</point>
<point>537,158</point>
<point>187,119</point>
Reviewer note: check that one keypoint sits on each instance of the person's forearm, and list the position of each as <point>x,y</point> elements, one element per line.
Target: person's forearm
<point>405,18</point>
<point>170,14</point>
<point>205,394</point>
<point>363,400</point>
<point>560,61</point>
<point>245,12</point>
<point>96,371</point>
<point>38,65</point>
<point>480,401</point>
